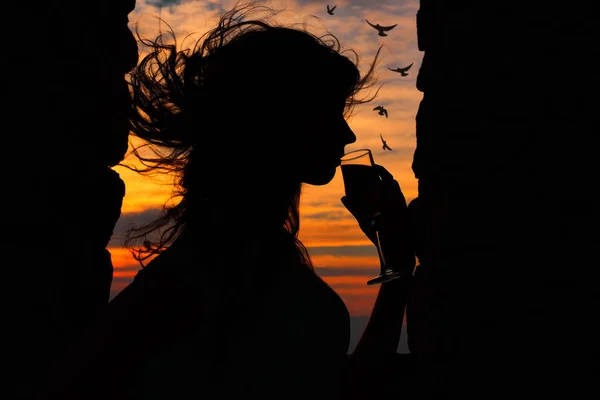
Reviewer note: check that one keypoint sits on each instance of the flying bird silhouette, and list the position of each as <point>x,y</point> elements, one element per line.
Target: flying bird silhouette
<point>385,146</point>
<point>382,29</point>
<point>330,9</point>
<point>402,71</point>
<point>382,110</point>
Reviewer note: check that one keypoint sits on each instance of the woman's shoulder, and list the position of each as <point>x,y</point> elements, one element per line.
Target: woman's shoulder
<point>169,267</point>
<point>310,300</point>
<point>329,297</point>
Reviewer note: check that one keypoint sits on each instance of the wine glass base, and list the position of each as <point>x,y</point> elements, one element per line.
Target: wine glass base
<point>384,277</point>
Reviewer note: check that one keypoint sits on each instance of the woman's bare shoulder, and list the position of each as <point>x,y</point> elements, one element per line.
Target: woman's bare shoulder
<point>306,298</point>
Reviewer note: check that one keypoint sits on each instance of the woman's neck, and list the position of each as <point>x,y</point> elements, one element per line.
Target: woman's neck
<point>256,208</point>
<point>226,218</point>
<point>233,220</point>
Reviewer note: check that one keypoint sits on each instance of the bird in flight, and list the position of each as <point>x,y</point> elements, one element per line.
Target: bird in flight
<point>385,146</point>
<point>402,71</point>
<point>382,110</point>
<point>382,29</point>
<point>330,9</point>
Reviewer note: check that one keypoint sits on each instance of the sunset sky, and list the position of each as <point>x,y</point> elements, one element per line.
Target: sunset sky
<point>341,253</point>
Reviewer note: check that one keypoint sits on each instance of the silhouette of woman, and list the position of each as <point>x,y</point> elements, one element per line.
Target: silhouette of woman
<point>229,304</point>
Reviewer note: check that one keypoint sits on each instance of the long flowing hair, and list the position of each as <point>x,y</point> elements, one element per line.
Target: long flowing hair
<point>166,84</point>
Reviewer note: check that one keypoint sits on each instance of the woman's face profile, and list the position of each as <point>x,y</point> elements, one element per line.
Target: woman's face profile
<point>321,134</point>
<point>289,110</point>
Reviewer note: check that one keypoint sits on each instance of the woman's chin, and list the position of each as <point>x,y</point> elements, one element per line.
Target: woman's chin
<point>320,178</point>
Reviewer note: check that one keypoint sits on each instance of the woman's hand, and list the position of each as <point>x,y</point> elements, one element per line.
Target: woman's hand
<point>394,223</point>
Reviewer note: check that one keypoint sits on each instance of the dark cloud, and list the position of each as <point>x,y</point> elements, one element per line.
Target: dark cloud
<point>328,215</point>
<point>343,251</point>
<point>172,3</point>
<point>126,272</point>
<point>338,212</point>
<point>344,271</point>
<point>130,220</point>
<point>163,3</point>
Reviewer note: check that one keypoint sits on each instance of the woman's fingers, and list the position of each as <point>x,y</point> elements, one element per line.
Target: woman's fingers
<point>391,188</point>
<point>383,173</point>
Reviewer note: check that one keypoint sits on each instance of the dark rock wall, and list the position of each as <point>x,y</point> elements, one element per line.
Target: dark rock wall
<point>506,162</point>
<point>64,112</point>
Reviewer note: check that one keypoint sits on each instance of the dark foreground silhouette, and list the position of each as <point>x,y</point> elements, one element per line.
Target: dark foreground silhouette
<point>65,124</point>
<point>505,300</point>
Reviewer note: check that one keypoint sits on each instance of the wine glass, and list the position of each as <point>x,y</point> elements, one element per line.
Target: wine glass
<point>362,187</point>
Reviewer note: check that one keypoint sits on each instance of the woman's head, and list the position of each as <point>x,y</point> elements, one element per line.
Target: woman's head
<point>283,95</point>
<point>253,107</point>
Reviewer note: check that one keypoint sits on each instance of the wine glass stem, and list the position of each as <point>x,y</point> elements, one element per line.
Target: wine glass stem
<point>380,251</point>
